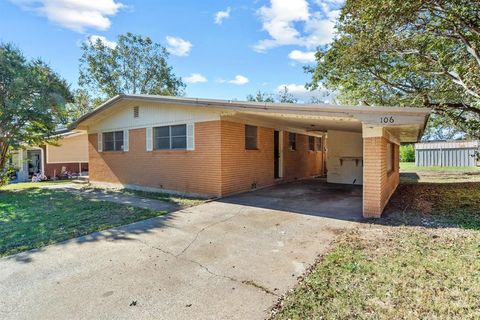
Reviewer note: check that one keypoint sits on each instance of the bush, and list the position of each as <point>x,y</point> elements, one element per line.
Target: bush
<point>407,153</point>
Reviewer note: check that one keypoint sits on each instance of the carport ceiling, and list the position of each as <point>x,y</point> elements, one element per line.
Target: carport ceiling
<point>307,123</point>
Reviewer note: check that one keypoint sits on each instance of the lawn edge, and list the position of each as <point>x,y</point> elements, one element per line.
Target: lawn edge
<point>118,228</point>
<point>332,244</point>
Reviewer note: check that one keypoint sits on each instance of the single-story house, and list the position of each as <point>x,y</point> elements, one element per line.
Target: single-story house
<point>216,148</point>
<point>68,155</point>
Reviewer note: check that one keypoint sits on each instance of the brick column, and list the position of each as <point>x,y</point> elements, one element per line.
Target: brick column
<point>374,176</point>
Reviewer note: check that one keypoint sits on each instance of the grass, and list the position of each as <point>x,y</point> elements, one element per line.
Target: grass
<point>393,274</point>
<point>411,167</point>
<point>179,200</point>
<point>28,185</point>
<point>421,261</point>
<point>446,204</point>
<point>32,217</point>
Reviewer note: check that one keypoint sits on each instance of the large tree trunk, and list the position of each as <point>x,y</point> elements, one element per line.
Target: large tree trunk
<point>3,154</point>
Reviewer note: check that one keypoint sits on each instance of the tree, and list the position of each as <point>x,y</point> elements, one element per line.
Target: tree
<point>407,153</point>
<point>32,102</point>
<point>442,128</point>
<point>261,97</point>
<point>407,53</point>
<point>135,65</point>
<point>82,104</point>
<point>286,97</point>
<point>282,96</point>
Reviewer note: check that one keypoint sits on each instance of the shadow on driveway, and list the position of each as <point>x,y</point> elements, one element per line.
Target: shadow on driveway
<point>311,197</point>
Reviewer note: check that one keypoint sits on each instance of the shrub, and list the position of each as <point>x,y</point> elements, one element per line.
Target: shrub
<point>407,153</point>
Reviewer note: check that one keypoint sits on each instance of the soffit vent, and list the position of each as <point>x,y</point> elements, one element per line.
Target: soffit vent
<point>136,111</point>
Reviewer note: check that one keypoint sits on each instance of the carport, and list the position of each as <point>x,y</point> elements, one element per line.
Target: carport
<point>234,146</point>
<point>361,143</point>
<point>312,197</point>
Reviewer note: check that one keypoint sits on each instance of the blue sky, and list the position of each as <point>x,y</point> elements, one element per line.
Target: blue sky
<point>222,49</point>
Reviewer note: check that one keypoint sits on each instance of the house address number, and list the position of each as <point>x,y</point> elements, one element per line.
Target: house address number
<point>387,119</point>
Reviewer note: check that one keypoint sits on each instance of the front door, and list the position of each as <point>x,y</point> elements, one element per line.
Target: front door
<point>34,162</point>
<point>276,154</point>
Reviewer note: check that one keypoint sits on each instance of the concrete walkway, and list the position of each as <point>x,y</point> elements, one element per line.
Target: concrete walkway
<point>219,260</point>
<point>117,197</point>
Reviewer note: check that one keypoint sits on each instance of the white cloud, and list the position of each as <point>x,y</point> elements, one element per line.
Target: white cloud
<point>294,22</point>
<point>178,46</point>
<point>239,80</point>
<point>222,15</point>
<point>304,95</point>
<point>195,78</point>
<point>94,38</point>
<point>76,15</point>
<point>302,56</point>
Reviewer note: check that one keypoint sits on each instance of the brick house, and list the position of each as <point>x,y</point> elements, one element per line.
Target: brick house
<point>69,154</point>
<point>215,148</point>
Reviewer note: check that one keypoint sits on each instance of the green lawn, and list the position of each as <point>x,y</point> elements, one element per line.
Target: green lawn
<point>176,199</point>
<point>393,274</point>
<point>411,167</point>
<point>420,261</point>
<point>31,217</point>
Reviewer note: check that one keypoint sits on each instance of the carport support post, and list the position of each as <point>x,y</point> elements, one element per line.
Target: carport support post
<point>378,184</point>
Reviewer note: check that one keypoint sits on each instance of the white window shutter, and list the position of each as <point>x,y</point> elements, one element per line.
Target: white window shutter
<point>149,139</point>
<point>125,140</point>
<point>100,142</point>
<point>190,136</point>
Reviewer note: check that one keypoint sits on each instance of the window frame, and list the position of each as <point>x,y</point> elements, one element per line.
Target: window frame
<point>114,140</point>
<point>292,141</point>
<point>251,136</point>
<point>311,143</point>
<point>390,155</point>
<point>319,144</point>
<point>170,137</point>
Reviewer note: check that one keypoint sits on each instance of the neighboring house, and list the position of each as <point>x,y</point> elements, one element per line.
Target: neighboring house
<point>447,153</point>
<point>218,147</point>
<point>69,155</point>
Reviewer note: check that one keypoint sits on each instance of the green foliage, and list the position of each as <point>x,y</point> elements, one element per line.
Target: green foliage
<point>136,65</point>
<point>442,128</point>
<point>286,97</point>
<point>407,53</point>
<point>261,97</point>
<point>282,96</point>
<point>407,153</point>
<point>83,103</point>
<point>32,217</point>
<point>392,273</point>
<point>32,103</point>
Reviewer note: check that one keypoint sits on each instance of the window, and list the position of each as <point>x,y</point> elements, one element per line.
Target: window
<point>318,142</point>
<point>250,137</point>
<point>170,137</point>
<point>113,141</point>
<point>292,141</point>
<point>136,111</point>
<point>390,157</point>
<point>311,143</point>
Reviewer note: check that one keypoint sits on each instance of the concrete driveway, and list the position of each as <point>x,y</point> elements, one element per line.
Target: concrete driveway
<point>228,259</point>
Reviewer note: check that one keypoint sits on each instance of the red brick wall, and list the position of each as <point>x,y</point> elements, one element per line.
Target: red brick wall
<point>219,165</point>
<point>54,169</point>
<point>300,163</point>
<point>241,168</point>
<point>378,184</point>
<point>196,171</point>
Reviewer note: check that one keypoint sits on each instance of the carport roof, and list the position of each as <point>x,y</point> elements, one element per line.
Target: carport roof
<point>408,118</point>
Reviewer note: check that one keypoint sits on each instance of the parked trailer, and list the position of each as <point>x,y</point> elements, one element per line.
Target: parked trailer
<point>447,153</point>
